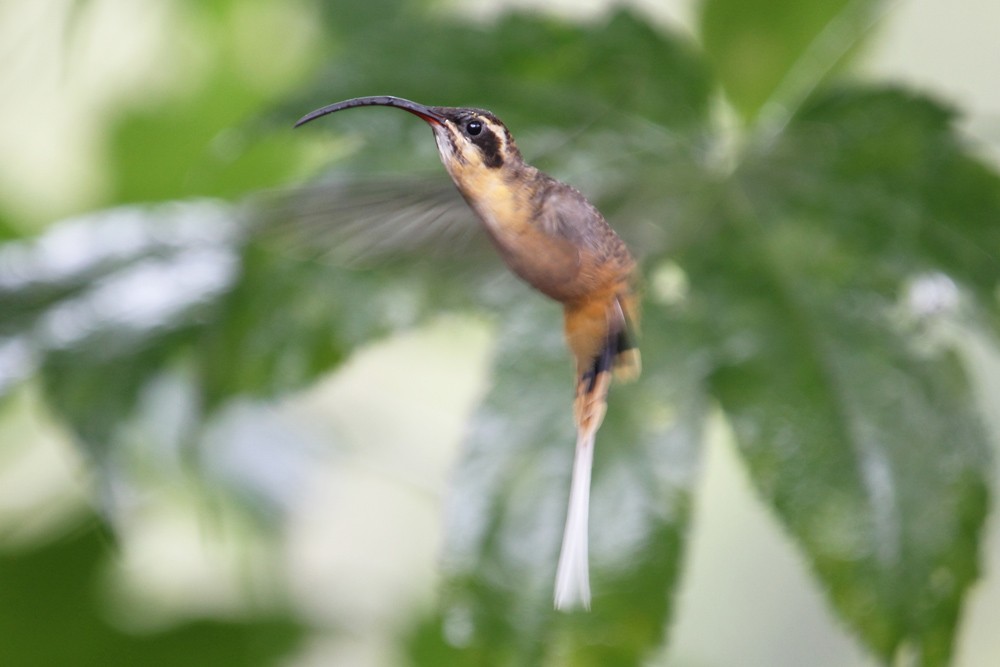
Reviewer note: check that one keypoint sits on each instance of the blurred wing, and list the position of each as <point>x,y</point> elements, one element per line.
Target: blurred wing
<point>365,222</point>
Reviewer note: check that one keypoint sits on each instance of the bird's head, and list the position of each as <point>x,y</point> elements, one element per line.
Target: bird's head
<point>471,142</point>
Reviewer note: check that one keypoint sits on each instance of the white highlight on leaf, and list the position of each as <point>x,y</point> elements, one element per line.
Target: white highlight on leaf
<point>147,295</point>
<point>932,294</point>
<point>17,361</point>
<point>668,284</point>
<point>85,243</point>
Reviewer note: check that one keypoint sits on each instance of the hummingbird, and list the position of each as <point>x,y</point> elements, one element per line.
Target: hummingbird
<point>550,236</point>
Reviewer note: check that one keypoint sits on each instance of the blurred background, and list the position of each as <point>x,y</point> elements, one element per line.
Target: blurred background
<point>212,451</point>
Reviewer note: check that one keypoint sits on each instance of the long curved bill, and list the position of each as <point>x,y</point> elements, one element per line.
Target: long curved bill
<point>427,113</point>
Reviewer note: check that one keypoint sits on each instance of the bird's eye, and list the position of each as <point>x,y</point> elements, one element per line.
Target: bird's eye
<point>473,127</point>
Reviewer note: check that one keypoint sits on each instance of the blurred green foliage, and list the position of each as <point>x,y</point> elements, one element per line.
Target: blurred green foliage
<point>51,615</point>
<point>801,251</point>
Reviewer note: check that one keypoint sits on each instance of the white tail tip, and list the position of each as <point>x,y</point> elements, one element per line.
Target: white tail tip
<point>572,574</point>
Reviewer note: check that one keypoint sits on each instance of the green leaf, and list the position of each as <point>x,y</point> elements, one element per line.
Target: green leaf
<point>508,503</point>
<point>868,448</point>
<point>7,231</point>
<point>775,51</point>
<point>863,437</point>
<point>104,306</point>
<point>886,168</point>
<point>206,134</point>
<point>273,332</point>
<point>121,286</point>
<point>51,613</point>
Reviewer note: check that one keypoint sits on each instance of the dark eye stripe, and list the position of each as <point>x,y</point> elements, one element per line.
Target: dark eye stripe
<point>490,145</point>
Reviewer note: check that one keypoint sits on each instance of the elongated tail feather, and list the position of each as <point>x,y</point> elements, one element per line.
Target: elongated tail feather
<point>572,575</point>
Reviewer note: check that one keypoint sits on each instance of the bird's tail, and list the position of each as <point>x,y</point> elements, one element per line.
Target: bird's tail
<point>572,575</point>
<point>616,355</point>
